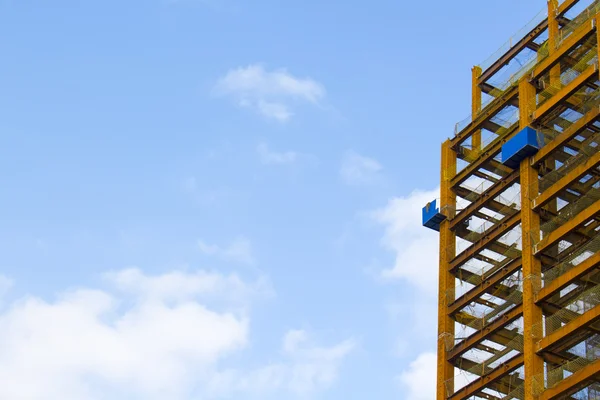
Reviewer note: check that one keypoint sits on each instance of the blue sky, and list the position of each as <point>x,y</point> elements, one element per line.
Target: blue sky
<point>221,199</point>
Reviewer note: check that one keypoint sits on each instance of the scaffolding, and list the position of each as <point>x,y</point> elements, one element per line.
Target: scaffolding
<point>519,286</point>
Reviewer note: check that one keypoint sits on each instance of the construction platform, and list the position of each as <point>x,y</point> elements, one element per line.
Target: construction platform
<point>519,219</point>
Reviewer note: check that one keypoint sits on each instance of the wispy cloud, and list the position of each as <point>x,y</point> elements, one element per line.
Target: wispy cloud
<point>146,348</point>
<point>415,247</point>
<point>239,250</point>
<point>270,93</point>
<point>185,285</point>
<point>268,156</point>
<point>152,337</point>
<point>416,266</point>
<point>359,170</point>
<point>307,368</point>
<point>418,380</point>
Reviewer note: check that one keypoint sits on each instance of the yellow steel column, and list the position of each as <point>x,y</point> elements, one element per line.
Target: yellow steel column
<point>553,29</point>
<point>596,22</point>
<point>445,370</point>
<point>476,104</point>
<point>530,223</point>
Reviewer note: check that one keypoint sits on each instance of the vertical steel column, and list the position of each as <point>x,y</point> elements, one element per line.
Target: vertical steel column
<point>553,31</point>
<point>596,22</point>
<point>476,104</point>
<point>530,224</point>
<point>445,370</point>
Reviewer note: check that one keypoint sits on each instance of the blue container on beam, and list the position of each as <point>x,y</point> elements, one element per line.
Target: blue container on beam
<point>432,218</point>
<point>519,147</point>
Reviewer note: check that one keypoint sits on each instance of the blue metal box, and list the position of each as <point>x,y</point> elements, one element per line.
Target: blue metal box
<point>519,147</point>
<point>432,216</point>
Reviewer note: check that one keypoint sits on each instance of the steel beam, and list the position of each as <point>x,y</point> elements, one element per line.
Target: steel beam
<point>573,383</point>
<point>494,191</point>
<point>485,286</point>
<point>485,333</point>
<point>568,227</point>
<point>568,278</point>
<point>576,38</point>
<point>571,329</point>
<point>484,158</point>
<point>500,385</point>
<point>561,140</point>
<point>514,51</point>
<point>563,94</point>
<point>496,374</point>
<point>494,233</point>
<point>488,112</point>
<point>565,181</point>
<point>566,6</point>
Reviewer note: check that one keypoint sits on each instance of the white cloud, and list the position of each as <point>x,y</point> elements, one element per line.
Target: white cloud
<point>416,266</point>
<point>415,247</point>
<point>278,111</point>
<point>416,251</point>
<point>419,380</point>
<point>307,368</point>
<point>239,250</point>
<point>268,156</point>
<point>358,170</point>
<point>416,261</point>
<point>268,92</point>
<point>149,337</point>
<point>86,340</point>
<point>180,285</point>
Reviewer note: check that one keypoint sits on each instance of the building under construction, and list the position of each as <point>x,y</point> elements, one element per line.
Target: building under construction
<point>519,219</point>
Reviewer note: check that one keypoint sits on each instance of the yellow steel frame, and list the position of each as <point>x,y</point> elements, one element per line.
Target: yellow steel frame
<point>532,314</point>
<point>547,275</point>
<point>446,279</point>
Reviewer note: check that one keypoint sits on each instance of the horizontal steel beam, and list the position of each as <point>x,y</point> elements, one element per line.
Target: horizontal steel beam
<point>488,112</point>
<point>514,51</point>
<point>491,204</point>
<point>504,385</point>
<point>568,227</point>
<point>485,286</point>
<point>566,136</point>
<point>570,330</point>
<point>494,233</point>
<point>497,373</point>
<point>484,158</point>
<point>565,6</point>
<point>565,181</point>
<point>576,38</point>
<point>485,333</point>
<point>490,194</point>
<point>573,383</point>
<point>563,94</point>
<point>569,277</point>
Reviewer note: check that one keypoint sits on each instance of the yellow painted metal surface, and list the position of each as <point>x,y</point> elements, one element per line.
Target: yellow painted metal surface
<point>519,258</point>
<point>530,222</point>
<point>476,104</point>
<point>446,279</point>
<point>519,250</point>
